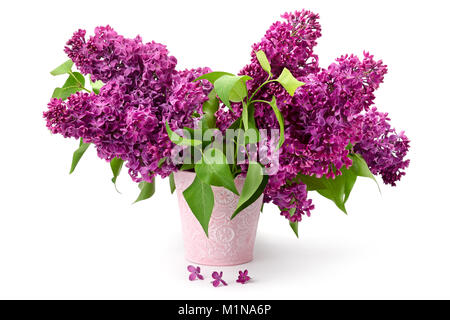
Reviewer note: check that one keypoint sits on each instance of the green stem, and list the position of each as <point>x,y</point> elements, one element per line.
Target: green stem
<point>237,145</point>
<point>262,101</point>
<point>259,88</point>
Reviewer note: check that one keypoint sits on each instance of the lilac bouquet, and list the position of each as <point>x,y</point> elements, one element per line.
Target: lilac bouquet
<point>295,127</point>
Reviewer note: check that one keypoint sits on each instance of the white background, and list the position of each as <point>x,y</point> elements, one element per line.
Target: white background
<point>73,236</point>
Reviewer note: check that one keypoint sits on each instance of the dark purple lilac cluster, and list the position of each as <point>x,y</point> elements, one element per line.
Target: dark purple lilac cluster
<point>142,91</point>
<point>383,149</point>
<point>324,116</point>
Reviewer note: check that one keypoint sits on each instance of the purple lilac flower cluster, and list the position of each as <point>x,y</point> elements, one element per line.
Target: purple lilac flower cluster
<point>330,111</point>
<point>383,149</point>
<point>142,91</point>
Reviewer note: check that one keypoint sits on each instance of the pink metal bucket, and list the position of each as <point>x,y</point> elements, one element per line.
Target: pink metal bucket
<point>230,242</point>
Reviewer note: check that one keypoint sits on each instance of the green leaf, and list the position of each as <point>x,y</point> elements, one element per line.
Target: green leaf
<point>349,146</point>
<point>161,161</point>
<point>75,79</point>
<point>360,168</point>
<point>289,82</point>
<point>213,76</point>
<point>116,166</point>
<point>263,61</point>
<point>209,109</point>
<point>200,198</point>
<point>78,154</point>
<point>181,141</point>
<point>214,170</point>
<point>312,183</point>
<point>187,166</point>
<point>280,119</point>
<point>349,183</point>
<point>235,125</point>
<point>66,67</point>
<point>59,93</point>
<point>254,197</point>
<point>239,91</point>
<point>337,189</point>
<point>245,116</point>
<point>172,183</point>
<point>294,227</point>
<point>253,187</point>
<point>252,125</point>
<point>64,93</point>
<point>231,88</point>
<point>96,86</point>
<point>147,190</point>
<point>74,83</point>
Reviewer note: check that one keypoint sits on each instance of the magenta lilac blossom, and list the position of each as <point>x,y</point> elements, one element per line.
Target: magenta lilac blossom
<point>323,117</point>
<point>383,149</point>
<point>142,91</point>
<point>195,273</point>
<point>243,277</point>
<point>218,279</point>
<point>324,120</point>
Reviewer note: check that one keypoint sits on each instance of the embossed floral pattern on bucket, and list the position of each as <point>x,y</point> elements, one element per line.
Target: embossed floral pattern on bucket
<point>230,242</point>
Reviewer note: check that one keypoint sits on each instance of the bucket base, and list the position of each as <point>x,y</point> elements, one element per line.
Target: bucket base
<point>218,264</point>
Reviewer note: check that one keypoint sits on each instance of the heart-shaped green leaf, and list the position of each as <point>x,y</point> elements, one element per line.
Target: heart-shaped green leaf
<point>289,82</point>
<point>116,166</point>
<point>161,161</point>
<point>96,86</point>
<point>361,169</point>
<point>252,133</point>
<point>74,83</point>
<point>75,79</point>
<point>172,183</point>
<point>280,119</point>
<point>294,227</point>
<point>179,140</point>
<point>209,110</point>
<point>254,185</point>
<point>214,170</point>
<point>147,190</point>
<point>66,67</point>
<point>312,183</point>
<point>187,166</point>
<point>335,191</point>
<point>338,189</point>
<point>78,154</point>
<point>245,116</point>
<point>200,198</point>
<point>231,88</point>
<point>263,61</point>
<point>349,183</point>
<point>213,76</point>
